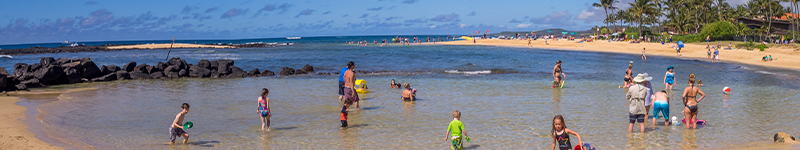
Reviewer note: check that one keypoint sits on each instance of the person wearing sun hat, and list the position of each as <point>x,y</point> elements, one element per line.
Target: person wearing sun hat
<point>636,96</point>
<point>648,97</point>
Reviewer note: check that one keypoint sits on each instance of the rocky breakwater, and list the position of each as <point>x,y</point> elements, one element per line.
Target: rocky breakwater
<point>51,71</point>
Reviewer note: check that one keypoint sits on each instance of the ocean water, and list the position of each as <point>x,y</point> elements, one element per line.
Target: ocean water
<point>503,93</point>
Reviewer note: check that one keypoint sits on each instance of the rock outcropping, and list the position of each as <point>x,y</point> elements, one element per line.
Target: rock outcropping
<point>51,71</point>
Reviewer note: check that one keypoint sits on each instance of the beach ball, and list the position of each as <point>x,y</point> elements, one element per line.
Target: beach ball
<point>726,90</point>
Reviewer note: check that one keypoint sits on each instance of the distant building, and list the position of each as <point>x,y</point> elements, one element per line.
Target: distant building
<point>779,25</point>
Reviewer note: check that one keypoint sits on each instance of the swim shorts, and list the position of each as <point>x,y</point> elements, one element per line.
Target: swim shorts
<point>456,143</point>
<point>174,133</point>
<point>636,118</point>
<point>661,106</point>
<point>341,87</point>
<point>344,123</point>
<point>350,95</point>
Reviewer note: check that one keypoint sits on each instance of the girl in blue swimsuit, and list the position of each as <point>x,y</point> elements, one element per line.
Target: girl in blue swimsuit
<point>263,109</point>
<point>669,78</point>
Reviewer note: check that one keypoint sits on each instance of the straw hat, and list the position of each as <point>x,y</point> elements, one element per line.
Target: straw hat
<point>638,78</point>
<point>647,77</point>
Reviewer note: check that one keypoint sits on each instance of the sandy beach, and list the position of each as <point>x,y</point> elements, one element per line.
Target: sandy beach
<point>166,46</point>
<point>14,134</point>
<point>783,57</point>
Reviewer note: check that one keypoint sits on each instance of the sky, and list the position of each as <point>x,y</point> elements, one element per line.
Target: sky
<point>47,21</point>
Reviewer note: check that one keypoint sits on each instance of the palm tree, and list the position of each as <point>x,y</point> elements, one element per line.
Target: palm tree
<point>719,8</point>
<point>611,6</point>
<point>604,4</point>
<point>657,16</point>
<point>641,9</point>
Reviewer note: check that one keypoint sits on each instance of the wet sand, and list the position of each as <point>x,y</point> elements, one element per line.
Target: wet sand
<point>783,57</point>
<point>166,46</point>
<point>14,133</point>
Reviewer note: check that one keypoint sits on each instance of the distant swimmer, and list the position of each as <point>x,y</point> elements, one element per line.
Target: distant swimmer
<point>394,84</point>
<point>557,73</point>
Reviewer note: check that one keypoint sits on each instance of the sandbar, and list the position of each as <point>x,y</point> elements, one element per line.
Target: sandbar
<point>167,46</point>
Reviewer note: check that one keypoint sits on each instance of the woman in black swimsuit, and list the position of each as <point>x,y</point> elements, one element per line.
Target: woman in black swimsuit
<point>407,95</point>
<point>557,73</point>
<point>628,76</point>
<point>690,101</point>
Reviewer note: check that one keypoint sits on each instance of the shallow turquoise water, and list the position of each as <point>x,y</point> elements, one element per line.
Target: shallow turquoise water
<point>510,108</point>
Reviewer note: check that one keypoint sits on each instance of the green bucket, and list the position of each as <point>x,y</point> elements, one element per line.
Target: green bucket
<point>188,125</point>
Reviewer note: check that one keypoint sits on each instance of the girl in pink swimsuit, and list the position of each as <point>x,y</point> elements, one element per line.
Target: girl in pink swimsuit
<point>263,109</point>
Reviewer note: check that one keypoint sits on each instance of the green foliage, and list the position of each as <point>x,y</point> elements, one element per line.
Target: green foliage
<point>720,30</point>
<point>744,30</point>
<point>747,45</point>
<point>761,47</point>
<point>689,38</point>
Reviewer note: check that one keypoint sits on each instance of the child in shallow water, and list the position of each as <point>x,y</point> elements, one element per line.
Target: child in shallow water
<point>455,129</point>
<point>560,134</point>
<point>263,109</point>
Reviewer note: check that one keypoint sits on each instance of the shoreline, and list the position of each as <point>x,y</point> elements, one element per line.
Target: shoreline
<point>14,133</point>
<point>784,58</point>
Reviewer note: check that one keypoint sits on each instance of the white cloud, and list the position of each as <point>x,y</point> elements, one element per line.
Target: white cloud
<point>433,26</point>
<point>524,25</point>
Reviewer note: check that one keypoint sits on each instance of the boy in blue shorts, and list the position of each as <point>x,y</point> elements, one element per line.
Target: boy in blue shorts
<point>455,129</point>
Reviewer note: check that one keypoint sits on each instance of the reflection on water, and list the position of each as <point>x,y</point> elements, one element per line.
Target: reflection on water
<point>500,111</point>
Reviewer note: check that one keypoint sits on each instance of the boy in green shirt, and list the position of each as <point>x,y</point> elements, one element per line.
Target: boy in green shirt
<point>455,129</point>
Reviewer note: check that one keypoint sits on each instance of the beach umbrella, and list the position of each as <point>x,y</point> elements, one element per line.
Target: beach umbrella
<point>564,32</point>
<point>615,34</point>
<point>548,31</point>
<point>680,44</point>
<point>573,33</point>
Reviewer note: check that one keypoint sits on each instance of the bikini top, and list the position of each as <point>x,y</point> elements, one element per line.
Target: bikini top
<point>692,90</point>
<point>558,70</point>
<point>629,73</point>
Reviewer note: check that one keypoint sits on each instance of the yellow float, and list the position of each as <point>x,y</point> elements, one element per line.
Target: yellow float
<point>361,86</point>
<point>466,37</point>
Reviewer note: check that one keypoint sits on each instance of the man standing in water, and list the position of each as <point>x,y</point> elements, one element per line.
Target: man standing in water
<point>341,83</point>
<point>349,84</point>
<point>635,96</point>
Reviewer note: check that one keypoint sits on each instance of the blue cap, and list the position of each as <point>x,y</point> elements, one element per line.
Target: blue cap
<point>670,67</point>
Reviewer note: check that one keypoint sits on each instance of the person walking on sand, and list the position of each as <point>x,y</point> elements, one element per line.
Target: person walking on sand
<point>263,109</point>
<point>669,78</point>
<point>635,96</point>
<point>708,39</point>
<point>557,73</point>
<point>349,84</point>
<point>643,56</point>
<point>690,101</point>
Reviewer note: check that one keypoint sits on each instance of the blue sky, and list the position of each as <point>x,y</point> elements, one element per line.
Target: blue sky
<point>41,21</point>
